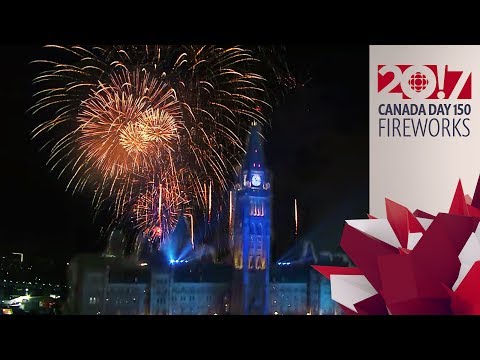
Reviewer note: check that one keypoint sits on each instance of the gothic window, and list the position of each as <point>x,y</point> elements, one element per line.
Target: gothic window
<point>250,262</point>
<point>252,244</point>
<point>259,229</point>
<point>252,229</point>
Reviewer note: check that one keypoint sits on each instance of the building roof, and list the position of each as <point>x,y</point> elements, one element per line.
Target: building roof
<point>290,274</point>
<point>123,275</point>
<point>93,261</point>
<point>201,272</point>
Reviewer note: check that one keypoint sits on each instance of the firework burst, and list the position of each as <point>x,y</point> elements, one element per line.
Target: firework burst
<point>149,128</point>
<point>156,211</point>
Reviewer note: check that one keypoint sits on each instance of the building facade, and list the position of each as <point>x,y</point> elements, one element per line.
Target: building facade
<point>250,285</point>
<point>100,286</point>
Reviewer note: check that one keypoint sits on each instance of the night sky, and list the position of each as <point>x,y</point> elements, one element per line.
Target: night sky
<point>317,151</point>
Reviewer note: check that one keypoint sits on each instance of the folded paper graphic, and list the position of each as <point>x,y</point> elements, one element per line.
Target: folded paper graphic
<point>412,263</point>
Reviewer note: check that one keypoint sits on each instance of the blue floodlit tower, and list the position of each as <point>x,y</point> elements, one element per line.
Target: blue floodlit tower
<point>251,231</point>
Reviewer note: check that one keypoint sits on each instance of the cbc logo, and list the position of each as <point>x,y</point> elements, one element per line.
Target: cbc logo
<point>433,82</point>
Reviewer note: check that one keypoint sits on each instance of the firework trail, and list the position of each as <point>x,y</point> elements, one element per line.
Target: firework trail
<point>147,129</point>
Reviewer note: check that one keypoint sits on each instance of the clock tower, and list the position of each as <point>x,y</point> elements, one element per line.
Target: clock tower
<point>250,242</point>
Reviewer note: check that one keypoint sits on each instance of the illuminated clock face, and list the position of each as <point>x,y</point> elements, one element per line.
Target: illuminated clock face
<point>256,180</point>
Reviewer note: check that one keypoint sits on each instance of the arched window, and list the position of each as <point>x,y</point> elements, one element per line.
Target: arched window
<point>259,229</point>
<point>252,228</point>
<point>258,263</point>
<point>250,262</point>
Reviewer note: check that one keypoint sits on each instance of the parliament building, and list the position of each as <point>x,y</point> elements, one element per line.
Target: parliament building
<point>249,284</point>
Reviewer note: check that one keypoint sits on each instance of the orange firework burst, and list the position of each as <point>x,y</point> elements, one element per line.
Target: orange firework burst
<point>125,115</point>
<point>127,128</point>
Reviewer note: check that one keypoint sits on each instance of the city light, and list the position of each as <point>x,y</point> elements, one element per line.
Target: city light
<point>172,261</point>
<point>21,256</point>
<point>275,313</point>
<point>144,264</point>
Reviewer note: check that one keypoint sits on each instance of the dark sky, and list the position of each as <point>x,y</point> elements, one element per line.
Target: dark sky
<point>317,150</point>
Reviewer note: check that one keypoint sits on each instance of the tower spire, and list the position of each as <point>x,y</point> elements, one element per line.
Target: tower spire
<point>255,157</point>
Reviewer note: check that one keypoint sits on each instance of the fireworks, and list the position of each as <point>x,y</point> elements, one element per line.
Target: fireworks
<point>152,131</point>
<point>296,220</point>
<point>157,209</point>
